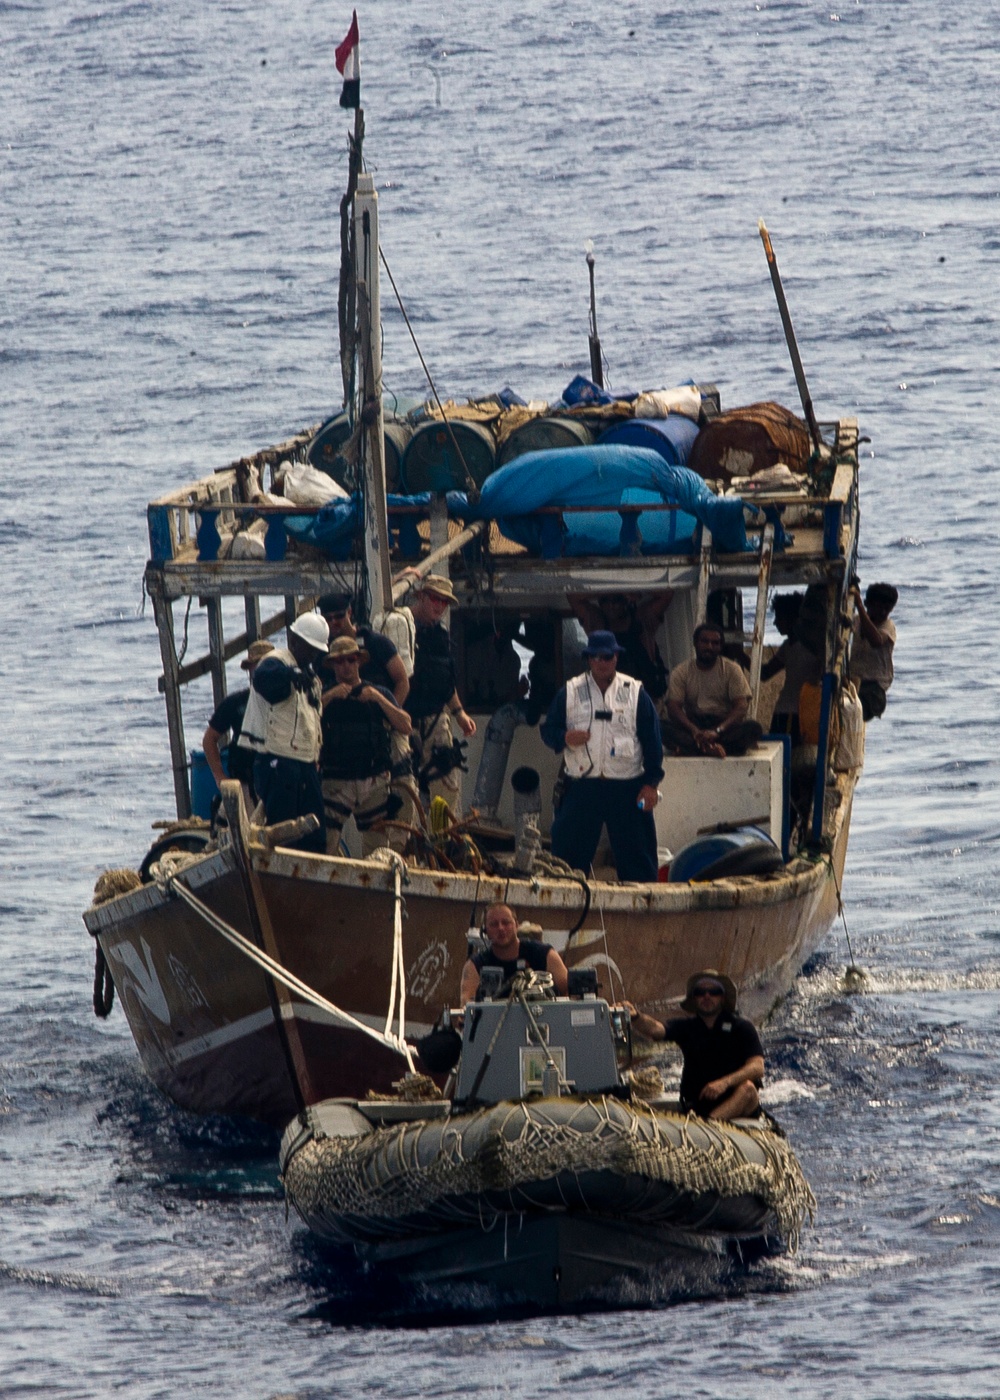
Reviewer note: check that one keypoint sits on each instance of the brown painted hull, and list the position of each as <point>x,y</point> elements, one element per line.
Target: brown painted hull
<point>206,1021</point>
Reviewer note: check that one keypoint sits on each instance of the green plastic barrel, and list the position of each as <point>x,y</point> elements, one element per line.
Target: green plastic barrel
<point>543,435</point>
<point>430,462</point>
<point>397,438</point>
<point>325,448</point>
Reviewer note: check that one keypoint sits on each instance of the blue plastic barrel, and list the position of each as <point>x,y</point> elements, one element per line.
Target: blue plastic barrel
<point>203,785</point>
<point>746,851</point>
<point>673,436</point>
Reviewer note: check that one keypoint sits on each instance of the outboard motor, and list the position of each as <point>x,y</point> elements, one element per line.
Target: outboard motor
<point>493,763</point>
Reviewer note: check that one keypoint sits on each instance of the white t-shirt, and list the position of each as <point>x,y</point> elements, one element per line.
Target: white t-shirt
<point>870,663</point>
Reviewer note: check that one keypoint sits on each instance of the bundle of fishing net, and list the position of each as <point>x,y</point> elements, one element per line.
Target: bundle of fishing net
<point>411,1168</point>
<point>112,883</point>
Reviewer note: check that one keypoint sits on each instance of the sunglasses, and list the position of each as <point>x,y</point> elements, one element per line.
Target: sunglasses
<point>708,992</point>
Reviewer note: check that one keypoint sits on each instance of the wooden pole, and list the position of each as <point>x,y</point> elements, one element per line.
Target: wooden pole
<point>433,560</point>
<point>216,649</point>
<point>760,617</point>
<point>346,296</point>
<point>262,932</point>
<point>790,341</point>
<point>163,612</point>
<point>366,252</point>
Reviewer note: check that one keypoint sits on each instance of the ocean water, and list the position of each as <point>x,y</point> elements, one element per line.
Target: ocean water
<point>171,175</point>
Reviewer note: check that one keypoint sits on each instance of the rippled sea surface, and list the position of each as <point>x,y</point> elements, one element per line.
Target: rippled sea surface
<point>171,175</point>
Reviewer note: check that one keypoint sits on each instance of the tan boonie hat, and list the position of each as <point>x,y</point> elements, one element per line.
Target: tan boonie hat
<point>709,974</point>
<point>347,646</point>
<point>256,651</point>
<point>439,586</point>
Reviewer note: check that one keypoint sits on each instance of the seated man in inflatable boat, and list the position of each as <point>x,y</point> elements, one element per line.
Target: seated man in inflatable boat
<point>511,953</point>
<point>707,702</point>
<point>723,1056</point>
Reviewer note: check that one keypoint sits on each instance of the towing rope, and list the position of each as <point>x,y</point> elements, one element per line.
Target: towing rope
<point>167,881</point>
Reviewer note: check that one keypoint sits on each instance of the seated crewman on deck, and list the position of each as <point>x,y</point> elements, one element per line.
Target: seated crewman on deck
<point>723,1056</point>
<point>707,700</point>
<point>509,952</point>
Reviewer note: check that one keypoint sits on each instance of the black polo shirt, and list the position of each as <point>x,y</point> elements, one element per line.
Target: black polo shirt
<point>227,716</point>
<point>530,953</point>
<point>710,1054</point>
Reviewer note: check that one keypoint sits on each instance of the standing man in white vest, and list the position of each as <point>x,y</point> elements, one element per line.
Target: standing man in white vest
<point>609,729</point>
<point>282,727</point>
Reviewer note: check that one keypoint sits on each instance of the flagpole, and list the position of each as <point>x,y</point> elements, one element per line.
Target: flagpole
<point>347,294</point>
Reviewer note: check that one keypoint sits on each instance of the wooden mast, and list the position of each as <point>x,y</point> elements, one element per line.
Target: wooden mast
<point>376,524</point>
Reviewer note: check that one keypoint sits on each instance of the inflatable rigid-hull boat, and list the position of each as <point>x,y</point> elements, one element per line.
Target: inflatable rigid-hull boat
<point>548,1201</point>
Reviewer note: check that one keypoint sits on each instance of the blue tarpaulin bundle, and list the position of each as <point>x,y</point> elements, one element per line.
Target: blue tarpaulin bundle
<point>334,527</point>
<point>609,476</point>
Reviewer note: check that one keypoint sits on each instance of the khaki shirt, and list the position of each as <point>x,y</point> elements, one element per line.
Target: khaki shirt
<point>713,692</point>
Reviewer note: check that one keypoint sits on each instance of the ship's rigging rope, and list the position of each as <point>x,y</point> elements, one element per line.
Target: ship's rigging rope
<point>167,881</point>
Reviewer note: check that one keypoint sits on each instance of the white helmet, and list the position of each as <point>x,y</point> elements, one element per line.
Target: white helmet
<point>312,629</point>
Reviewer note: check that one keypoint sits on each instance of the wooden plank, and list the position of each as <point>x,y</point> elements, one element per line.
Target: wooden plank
<point>760,617</point>
<point>216,649</point>
<point>843,484</point>
<point>251,610</point>
<point>704,575</point>
<point>194,669</point>
<point>263,935</point>
<point>164,613</point>
<point>240,578</point>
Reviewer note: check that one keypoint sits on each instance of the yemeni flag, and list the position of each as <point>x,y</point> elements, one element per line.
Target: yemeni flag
<point>349,66</point>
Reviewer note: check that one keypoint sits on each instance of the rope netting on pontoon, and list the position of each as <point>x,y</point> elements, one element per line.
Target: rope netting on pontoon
<point>410,1168</point>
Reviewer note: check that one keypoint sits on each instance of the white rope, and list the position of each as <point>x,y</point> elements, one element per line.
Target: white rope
<point>398,966</point>
<point>288,979</point>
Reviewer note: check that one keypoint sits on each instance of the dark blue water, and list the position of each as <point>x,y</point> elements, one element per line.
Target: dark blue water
<point>170,183</point>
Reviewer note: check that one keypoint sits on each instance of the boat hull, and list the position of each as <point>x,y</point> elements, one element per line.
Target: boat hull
<point>564,1261</point>
<point>548,1202</point>
<point>206,1019</point>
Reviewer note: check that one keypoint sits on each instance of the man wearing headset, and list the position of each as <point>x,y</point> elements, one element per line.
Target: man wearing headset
<point>608,728</point>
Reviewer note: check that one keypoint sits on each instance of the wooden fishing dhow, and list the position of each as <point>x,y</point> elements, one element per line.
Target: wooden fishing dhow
<point>338,961</point>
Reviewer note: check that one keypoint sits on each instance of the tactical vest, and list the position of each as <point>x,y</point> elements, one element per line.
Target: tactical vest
<point>290,728</point>
<point>613,750</point>
<point>356,740</point>
<point>433,680</point>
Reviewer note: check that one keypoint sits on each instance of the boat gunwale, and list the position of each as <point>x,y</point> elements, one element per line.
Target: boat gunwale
<point>795,880</point>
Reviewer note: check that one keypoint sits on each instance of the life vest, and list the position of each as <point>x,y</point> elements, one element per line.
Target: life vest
<point>356,742</point>
<point>433,682</point>
<point>613,750</point>
<point>288,728</point>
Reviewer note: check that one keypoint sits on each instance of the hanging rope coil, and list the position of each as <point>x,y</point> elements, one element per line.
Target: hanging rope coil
<point>168,882</point>
<point>104,987</point>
